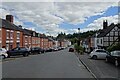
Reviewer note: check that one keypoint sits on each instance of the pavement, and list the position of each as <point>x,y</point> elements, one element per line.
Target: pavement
<point>58,64</point>
<point>100,68</point>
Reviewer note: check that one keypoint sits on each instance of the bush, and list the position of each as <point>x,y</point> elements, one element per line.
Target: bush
<point>114,47</point>
<point>79,49</point>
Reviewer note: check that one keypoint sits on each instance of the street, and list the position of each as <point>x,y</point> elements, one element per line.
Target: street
<point>58,64</point>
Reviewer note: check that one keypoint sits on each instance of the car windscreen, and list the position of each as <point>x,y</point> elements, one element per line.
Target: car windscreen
<point>103,51</point>
<point>117,53</point>
<point>23,49</point>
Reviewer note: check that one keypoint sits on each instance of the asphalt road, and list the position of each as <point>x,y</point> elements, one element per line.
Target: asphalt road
<point>100,68</point>
<point>59,64</point>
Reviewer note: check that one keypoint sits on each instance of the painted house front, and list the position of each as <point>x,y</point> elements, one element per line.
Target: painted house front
<point>109,36</point>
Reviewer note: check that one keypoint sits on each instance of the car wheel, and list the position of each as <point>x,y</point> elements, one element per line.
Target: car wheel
<point>39,52</point>
<point>25,54</point>
<point>94,57</point>
<point>116,63</point>
<point>3,57</point>
<point>8,56</point>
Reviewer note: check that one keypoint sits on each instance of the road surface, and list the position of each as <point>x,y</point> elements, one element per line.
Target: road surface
<point>58,64</point>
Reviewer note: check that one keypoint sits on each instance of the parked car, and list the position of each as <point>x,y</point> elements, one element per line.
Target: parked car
<point>98,54</point>
<point>49,50</point>
<point>113,57</point>
<point>38,50</point>
<point>55,49</point>
<point>3,53</point>
<point>18,51</point>
<point>71,49</point>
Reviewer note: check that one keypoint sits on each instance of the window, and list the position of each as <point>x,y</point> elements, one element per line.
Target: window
<point>18,35</point>
<point>11,35</point>
<point>101,51</point>
<point>26,39</point>
<point>23,49</point>
<point>0,36</point>
<point>7,35</point>
<point>97,40</point>
<point>17,48</point>
<point>101,41</point>
<point>7,46</point>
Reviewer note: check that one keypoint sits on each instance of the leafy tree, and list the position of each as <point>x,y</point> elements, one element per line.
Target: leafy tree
<point>79,49</point>
<point>114,47</point>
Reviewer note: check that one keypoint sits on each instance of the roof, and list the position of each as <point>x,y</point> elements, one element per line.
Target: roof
<point>50,39</point>
<point>104,32</point>
<point>6,24</point>
<point>42,36</point>
<point>27,32</point>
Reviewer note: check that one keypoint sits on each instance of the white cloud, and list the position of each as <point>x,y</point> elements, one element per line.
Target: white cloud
<point>48,15</point>
<point>98,24</point>
<point>76,13</point>
<point>60,0</point>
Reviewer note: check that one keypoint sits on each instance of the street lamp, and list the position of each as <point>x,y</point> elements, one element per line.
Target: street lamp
<point>78,36</point>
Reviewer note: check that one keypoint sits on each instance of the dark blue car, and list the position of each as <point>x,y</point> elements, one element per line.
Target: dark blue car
<point>18,51</point>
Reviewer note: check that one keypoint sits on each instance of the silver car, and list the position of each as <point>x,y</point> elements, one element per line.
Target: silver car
<point>98,54</point>
<point>3,53</point>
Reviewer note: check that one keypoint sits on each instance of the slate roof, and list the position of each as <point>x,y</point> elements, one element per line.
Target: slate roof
<point>42,36</point>
<point>104,32</point>
<point>27,32</point>
<point>50,39</point>
<point>7,25</point>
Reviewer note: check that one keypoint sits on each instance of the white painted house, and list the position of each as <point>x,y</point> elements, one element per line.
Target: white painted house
<point>109,35</point>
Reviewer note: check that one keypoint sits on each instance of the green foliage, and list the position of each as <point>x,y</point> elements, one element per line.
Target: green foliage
<point>79,49</point>
<point>74,40</point>
<point>81,35</point>
<point>61,36</point>
<point>114,47</point>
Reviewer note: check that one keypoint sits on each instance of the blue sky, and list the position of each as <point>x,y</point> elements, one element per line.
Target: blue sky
<point>109,12</point>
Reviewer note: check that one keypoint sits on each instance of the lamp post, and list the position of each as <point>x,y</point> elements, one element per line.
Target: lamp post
<point>78,36</point>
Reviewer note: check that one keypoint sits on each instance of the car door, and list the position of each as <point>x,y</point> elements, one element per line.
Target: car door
<point>112,57</point>
<point>14,51</point>
<point>103,54</point>
<point>98,53</point>
<point>21,51</point>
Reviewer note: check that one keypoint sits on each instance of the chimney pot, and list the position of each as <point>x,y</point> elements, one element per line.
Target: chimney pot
<point>105,24</point>
<point>9,18</point>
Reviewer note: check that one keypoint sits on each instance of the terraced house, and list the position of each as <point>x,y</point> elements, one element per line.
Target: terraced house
<point>12,36</point>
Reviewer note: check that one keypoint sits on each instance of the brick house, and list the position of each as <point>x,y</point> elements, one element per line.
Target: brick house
<point>13,35</point>
<point>50,42</point>
<point>35,39</point>
<point>61,43</point>
<point>42,41</point>
<point>27,38</point>
<point>45,43</point>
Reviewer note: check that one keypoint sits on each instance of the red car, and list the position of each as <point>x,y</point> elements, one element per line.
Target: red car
<point>71,50</point>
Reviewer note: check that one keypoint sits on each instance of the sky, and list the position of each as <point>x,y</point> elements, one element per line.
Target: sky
<point>52,18</point>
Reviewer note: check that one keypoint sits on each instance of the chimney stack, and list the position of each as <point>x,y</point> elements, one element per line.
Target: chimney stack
<point>105,24</point>
<point>9,18</point>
